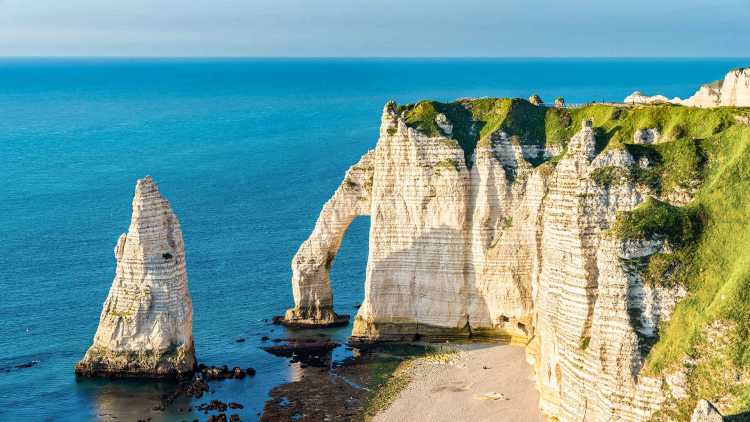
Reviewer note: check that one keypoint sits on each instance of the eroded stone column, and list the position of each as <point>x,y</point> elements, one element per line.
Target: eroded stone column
<point>146,325</point>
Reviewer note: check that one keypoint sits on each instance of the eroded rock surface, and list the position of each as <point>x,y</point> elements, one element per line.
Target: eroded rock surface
<point>145,328</point>
<point>706,412</point>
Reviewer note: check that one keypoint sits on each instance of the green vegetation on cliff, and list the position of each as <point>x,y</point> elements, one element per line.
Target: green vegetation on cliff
<point>711,258</point>
<point>654,219</point>
<point>474,121</point>
<point>717,274</point>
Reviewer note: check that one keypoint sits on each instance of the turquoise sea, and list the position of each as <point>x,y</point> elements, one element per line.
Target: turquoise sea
<point>247,151</point>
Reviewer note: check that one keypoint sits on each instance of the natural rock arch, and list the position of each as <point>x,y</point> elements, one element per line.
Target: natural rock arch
<point>421,277</point>
<point>311,266</point>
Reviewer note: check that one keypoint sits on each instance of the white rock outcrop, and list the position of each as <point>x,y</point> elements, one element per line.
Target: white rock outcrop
<point>733,90</point>
<point>708,95</point>
<point>145,328</point>
<point>706,412</point>
<point>638,98</point>
<point>500,248</point>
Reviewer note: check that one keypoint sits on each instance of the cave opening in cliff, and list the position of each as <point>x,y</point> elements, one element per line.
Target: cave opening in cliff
<point>347,274</point>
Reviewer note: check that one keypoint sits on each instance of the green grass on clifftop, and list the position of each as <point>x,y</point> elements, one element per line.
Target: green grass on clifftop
<point>475,120</point>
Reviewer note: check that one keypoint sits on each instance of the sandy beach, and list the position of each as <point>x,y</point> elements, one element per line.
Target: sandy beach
<point>482,383</point>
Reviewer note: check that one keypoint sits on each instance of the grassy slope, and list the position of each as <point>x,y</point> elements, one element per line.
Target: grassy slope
<point>718,272</point>
<point>711,235</point>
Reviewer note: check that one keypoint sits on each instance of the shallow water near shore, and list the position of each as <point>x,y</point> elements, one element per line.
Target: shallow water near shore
<point>247,152</point>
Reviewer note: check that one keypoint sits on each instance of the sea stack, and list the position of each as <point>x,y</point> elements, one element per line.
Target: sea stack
<point>146,325</point>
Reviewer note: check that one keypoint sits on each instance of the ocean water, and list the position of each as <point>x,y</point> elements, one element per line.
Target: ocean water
<point>247,152</point>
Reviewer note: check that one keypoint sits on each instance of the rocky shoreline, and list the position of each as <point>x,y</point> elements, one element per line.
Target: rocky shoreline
<point>343,391</point>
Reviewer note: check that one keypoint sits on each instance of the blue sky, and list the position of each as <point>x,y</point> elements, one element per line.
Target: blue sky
<point>353,28</point>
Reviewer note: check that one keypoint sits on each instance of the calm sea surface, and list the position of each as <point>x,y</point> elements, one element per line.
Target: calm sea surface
<point>247,151</point>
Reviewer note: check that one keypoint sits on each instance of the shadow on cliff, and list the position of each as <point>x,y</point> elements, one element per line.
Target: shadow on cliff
<point>413,282</point>
<point>524,122</point>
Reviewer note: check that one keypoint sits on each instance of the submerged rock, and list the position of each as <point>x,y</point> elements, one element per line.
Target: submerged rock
<point>146,325</point>
<point>309,352</point>
<point>301,346</point>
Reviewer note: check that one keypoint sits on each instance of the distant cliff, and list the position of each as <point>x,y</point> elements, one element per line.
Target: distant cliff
<point>610,240</point>
<point>733,90</point>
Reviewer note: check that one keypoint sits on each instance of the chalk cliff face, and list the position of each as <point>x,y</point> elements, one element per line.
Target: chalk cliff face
<point>507,247</point>
<point>145,328</point>
<point>422,277</point>
<point>733,90</point>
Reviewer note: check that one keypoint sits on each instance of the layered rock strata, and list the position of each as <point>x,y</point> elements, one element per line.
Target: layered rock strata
<point>733,90</point>
<point>145,328</point>
<point>499,247</point>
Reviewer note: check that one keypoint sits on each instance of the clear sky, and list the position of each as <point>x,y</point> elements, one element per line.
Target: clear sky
<point>355,28</point>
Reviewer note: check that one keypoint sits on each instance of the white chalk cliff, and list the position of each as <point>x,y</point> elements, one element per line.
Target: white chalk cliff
<point>145,328</point>
<point>733,90</point>
<point>502,248</point>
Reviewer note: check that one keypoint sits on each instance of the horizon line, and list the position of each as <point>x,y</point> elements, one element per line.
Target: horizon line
<point>115,56</point>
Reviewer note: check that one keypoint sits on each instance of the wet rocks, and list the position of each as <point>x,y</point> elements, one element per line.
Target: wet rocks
<point>303,346</point>
<point>221,407</point>
<point>195,388</point>
<point>216,405</point>
<point>311,352</point>
<point>223,372</point>
<point>332,320</point>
